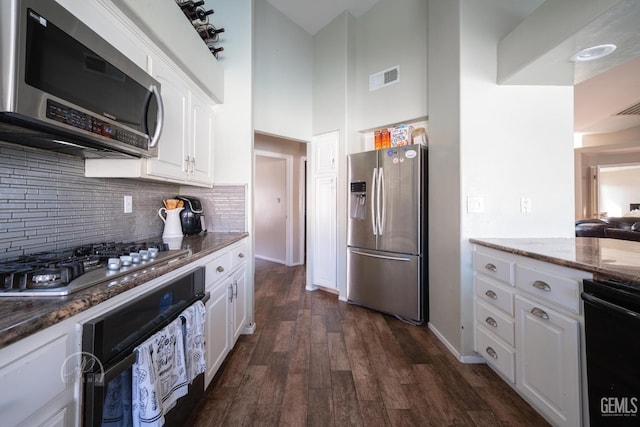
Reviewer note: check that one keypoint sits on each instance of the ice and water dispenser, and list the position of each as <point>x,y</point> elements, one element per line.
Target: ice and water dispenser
<point>358,200</point>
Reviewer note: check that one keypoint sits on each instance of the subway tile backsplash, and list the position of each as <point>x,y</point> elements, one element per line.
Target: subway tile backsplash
<point>46,203</point>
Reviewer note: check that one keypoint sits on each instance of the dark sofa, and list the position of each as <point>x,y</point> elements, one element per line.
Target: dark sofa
<point>626,228</point>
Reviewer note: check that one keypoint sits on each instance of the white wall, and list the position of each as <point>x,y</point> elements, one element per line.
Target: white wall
<point>514,141</point>
<point>283,75</point>
<point>234,130</point>
<point>393,32</point>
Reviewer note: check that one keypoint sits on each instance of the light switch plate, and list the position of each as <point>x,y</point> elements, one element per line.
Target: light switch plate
<point>475,204</point>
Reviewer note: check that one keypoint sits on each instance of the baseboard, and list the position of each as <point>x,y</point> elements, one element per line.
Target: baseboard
<point>249,329</point>
<point>266,258</point>
<point>463,359</point>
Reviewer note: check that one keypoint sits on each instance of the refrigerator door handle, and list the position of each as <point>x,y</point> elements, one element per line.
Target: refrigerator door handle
<point>382,201</point>
<point>393,258</point>
<point>374,224</point>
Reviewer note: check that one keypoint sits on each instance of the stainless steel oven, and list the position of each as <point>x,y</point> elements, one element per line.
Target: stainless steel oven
<point>109,345</point>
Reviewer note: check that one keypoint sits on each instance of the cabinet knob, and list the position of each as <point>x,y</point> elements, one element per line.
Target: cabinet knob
<point>240,255</point>
<point>539,313</point>
<point>491,352</point>
<point>220,269</point>
<point>539,284</point>
<point>491,267</point>
<point>491,294</point>
<point>491,321</point>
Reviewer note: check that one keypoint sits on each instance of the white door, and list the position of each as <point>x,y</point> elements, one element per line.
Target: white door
<point>271,209</point>
<point>323,213</point>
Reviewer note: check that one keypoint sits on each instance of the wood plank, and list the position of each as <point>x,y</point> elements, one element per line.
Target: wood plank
<point>345,401</point>
<point>319,369</point>
<point>338,357</point>
<point>320,410</point>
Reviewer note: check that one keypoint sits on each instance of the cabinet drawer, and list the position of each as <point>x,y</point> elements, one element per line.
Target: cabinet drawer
<point>493,266</point>
<point>494,294</point>
<point>498,355</point>
<point>562,291</point>
<point>218,268</point>
<point>496,322</point>
<point>238,256</point>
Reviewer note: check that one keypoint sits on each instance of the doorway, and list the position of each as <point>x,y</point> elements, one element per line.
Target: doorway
<point>280,199</point>
<point>271,206</point>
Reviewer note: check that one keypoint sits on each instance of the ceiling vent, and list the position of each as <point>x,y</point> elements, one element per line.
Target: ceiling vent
<point>634,110</point>
<point>384,78</point>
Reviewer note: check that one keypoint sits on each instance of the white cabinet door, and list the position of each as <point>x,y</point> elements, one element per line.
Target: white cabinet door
<point>239,302</point>
<point>324,231</point>
<point>325,152</point>
<point>218,340</point>
<point>202,139</point>
<point>548,361</point>
<point>172,160</point>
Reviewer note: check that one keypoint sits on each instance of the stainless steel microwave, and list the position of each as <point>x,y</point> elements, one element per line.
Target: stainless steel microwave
<point>65,89</point>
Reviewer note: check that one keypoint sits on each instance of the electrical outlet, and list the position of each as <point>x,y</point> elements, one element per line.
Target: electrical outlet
<point>525,205</point>
<point>128,204</point>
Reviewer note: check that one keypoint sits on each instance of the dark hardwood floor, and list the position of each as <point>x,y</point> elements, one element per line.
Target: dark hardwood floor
<point>317,361</point>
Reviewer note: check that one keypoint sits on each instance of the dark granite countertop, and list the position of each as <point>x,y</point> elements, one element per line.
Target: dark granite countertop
<point>605,258</point>
<point>24,316</point>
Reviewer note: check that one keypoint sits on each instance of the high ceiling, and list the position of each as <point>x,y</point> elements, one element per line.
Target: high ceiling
<point>312,15</point>
<point>603,88</point>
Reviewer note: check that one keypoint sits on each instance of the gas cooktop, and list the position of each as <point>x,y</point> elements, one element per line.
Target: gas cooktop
<point>68,271</point>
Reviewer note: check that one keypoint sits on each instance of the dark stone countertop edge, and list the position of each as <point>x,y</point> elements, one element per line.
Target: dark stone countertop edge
<point>52,310</point>
<point>632,275</point>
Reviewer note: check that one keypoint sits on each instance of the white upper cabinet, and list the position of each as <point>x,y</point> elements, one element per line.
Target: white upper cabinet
<point>165,24</point>
<point>179,61</point>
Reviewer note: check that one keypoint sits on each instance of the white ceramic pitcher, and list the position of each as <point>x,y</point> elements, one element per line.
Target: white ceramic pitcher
<point>172,225</point>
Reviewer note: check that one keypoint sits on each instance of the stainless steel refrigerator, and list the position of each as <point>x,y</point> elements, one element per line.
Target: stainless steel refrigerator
<point>386,232</point>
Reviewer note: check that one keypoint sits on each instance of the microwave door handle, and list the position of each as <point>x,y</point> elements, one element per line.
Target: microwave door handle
<point>160,117</point>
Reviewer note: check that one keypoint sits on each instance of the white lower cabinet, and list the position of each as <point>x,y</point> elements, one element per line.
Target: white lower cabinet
<point>226,282</point>
<point>218,340</point>
<point>528,327</point>
<point>548,360</point>
<point>37,380</point>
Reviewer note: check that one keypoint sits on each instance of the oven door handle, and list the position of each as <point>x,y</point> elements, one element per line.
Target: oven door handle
<point>95,387</point>
<point>606,305</point>
<point>115,370</point>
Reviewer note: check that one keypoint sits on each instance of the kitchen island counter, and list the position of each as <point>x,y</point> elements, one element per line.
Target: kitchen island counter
<point>605,258</point>
<point>23,316</point>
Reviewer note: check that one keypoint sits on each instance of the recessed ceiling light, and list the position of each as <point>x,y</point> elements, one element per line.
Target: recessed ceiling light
<point>593,52</point>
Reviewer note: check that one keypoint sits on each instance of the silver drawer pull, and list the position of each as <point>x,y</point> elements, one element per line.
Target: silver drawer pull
<point>491,352</point>
<point>539,284</point>
<point>491,294</point>
<point>491,267</point>
<point>491,321</point>
<point>220,269</point>
<point>240,255</point>
<point>539,313</point>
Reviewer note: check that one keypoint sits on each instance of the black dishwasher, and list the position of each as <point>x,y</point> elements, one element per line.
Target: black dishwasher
<point>612,332</point>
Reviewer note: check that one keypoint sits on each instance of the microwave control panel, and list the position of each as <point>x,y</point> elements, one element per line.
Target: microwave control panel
<point>72,117</point>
